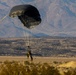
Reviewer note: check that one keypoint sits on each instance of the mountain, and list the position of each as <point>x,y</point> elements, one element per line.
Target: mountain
<point>58,18</point>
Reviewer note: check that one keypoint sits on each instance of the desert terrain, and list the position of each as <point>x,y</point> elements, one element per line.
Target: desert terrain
<point>51,56</point>
<point>44,46</point>
<point>37,59</point>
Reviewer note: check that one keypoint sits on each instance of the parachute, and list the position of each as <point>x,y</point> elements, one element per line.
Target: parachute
<point>28,15</point>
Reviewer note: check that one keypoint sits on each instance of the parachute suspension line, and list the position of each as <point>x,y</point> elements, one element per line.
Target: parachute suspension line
<point>3,18</point>
<point>29,38</point>
<point>24,33</point>
<point>26,38</point>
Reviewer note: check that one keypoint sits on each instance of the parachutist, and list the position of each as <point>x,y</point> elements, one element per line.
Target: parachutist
<point>29,54</point>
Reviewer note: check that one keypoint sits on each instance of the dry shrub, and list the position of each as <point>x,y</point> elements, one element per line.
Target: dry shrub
<point>28,68</point>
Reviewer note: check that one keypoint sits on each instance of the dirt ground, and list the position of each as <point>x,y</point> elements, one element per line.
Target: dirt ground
<point>36,59</point>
